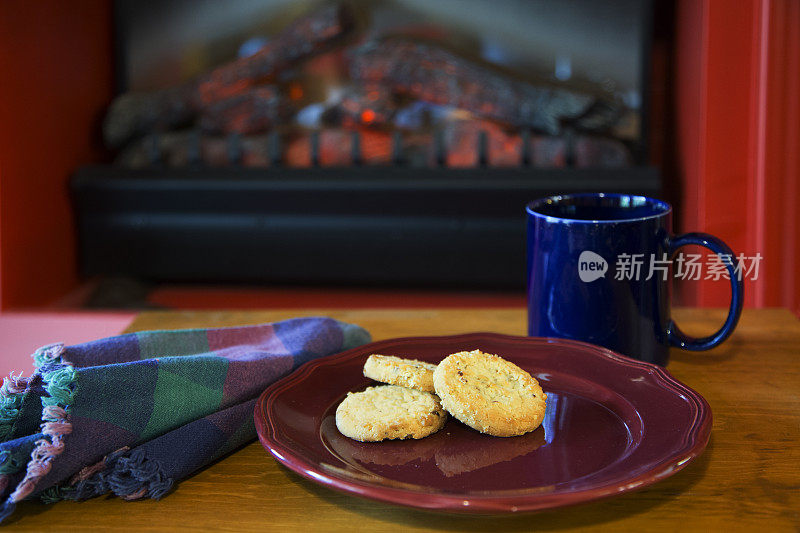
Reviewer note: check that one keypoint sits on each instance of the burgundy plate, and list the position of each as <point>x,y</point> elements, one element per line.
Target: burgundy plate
<point>612,425</point>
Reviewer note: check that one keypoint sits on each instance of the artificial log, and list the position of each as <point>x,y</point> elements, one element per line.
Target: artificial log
<point>256,111</point>
<point>435,75</point>
<point>135,114</point>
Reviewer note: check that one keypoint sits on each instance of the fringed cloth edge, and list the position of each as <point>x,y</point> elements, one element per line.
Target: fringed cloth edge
<point>60,382</point>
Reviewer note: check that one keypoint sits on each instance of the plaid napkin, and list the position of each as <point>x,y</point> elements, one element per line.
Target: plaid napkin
<point>132,414</point>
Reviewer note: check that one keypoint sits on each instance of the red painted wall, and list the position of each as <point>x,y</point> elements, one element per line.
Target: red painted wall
<point>738,126</point>
<point>55,80</point>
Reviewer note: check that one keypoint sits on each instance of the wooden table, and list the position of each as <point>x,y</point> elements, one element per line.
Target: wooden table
<point>747,479</point>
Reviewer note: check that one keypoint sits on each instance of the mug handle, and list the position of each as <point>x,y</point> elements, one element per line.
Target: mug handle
<point>675,335</point>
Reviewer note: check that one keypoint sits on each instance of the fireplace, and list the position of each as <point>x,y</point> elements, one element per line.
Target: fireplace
<point>361,143</point>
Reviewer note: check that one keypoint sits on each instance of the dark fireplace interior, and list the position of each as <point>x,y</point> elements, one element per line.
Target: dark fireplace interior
<point>389,143</point>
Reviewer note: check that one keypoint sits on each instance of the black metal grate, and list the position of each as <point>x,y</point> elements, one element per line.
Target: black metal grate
<point>276,156</point>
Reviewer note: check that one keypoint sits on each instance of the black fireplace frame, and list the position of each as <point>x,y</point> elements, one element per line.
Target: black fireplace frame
<point>353,226</point>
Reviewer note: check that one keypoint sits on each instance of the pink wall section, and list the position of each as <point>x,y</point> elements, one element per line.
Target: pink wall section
<point>22,333</point>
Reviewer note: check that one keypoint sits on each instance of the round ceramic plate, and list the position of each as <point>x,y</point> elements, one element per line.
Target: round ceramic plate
<point>612,425</point>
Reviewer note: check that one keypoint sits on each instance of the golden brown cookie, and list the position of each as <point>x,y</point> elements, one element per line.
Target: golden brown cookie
<point>490,394</point>
<point>398,371</point>
<point>389,412</point>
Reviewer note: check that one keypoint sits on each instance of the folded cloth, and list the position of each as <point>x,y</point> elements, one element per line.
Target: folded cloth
<point>133,414</point>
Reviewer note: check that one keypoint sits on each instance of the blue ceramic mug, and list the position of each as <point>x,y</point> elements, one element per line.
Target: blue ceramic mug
<point>599,270</point>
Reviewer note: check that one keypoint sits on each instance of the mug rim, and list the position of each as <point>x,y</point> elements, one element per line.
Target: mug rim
<point>531,207</point>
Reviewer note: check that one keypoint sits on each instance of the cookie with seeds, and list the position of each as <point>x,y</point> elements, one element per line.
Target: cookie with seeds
<point>489,394</point>
<point>399,371</point>
<point>389,412</point>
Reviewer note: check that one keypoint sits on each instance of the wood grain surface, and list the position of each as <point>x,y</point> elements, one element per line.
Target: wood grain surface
<point>747,479</point>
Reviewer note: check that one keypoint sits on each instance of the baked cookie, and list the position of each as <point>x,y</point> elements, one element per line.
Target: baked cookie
<point>398,371</point>
<point>389,412</point>
<point>489,394</point>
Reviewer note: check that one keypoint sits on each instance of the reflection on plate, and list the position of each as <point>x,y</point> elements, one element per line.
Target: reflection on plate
<point>474,451</point>
<point>612,425</point>
<point>454,450</point>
